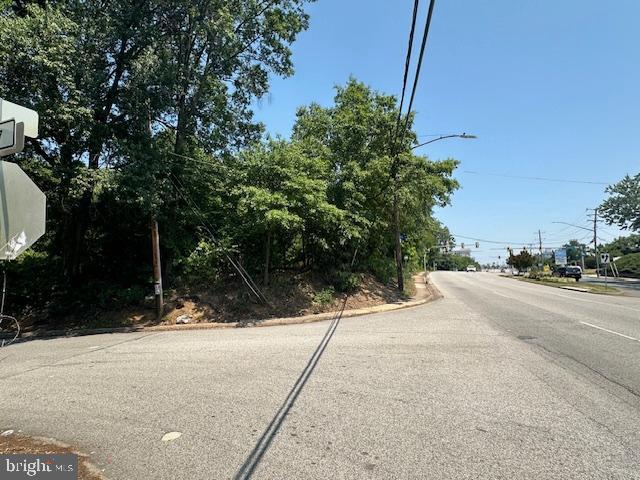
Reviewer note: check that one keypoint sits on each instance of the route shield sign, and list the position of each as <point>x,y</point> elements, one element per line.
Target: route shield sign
<point>561,256</point>
<point>22,211</point>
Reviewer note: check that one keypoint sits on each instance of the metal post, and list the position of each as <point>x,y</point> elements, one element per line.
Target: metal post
<point>605,276</point>
<point>157,271</point>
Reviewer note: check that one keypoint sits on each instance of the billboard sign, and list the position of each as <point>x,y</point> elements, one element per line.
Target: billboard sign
<point>561,256</point>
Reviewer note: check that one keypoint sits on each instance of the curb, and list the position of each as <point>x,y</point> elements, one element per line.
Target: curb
<point>433,294</point>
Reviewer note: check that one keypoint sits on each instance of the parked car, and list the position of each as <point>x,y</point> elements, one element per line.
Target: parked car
<point>568,272</point>
<point>471,268</point>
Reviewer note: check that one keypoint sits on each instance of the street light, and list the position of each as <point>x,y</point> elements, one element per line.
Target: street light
<point>396,213</point>
<point>457,135</point>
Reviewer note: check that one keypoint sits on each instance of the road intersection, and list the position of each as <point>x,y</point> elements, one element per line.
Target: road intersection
<point>499,379</point>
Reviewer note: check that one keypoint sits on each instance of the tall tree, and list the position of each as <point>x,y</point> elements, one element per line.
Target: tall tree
<point>575,250</point>
<point>281,195</point>
<point>354,134</point>
<point>622,208</point>
<point>109,78</point>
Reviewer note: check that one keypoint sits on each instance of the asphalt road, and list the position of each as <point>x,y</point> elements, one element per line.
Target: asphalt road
<point>500,379</point>
<point>630,286</point>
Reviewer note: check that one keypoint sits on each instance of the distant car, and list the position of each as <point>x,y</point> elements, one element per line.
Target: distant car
<point>502,270</point>
<point>568,272</point>
<point>471,268</point>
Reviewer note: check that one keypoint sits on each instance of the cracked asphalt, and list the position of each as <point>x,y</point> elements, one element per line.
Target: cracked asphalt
<point>499,379</point>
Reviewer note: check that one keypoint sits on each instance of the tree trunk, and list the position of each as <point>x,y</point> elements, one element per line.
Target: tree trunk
<point>267,258</point>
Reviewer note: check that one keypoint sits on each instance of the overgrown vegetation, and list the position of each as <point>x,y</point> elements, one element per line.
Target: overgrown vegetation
<point>629,265</point>
<point>145,114</point>
<point>622,208</point>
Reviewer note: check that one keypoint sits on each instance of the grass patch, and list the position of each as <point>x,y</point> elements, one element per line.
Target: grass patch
<point>567,282</point>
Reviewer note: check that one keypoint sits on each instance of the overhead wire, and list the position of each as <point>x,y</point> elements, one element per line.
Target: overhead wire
<point>423,46</point>
<point>407,64</point>
<point>236,265</point>
<point>542,179</point>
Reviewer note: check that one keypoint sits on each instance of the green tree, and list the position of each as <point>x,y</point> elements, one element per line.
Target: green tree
<point>622,208</point>
<point>454,262</point>
<point>125,82</point>
<point>354,135</point>
<point>522,261</point>
<point>282,196</point>
<point>622,245</point>
<point>575,249</point>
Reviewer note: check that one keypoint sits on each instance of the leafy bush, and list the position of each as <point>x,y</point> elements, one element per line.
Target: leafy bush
<point>384,269</point>
<point>201,265</point>
<point>536,274</point>
<point>346,282</point>
<point>324,297</point>
<point>33,280</point>
<point>629,265</point>
<point>111,296</point>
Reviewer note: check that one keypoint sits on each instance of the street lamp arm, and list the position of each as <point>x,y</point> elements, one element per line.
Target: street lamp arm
<point>463,135</point>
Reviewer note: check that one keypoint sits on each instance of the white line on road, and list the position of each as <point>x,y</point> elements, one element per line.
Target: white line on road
<point>611,331</point>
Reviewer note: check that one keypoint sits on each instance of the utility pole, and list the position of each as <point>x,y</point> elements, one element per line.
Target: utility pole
<point>155,248</point>
<point>157,271</point>
<point>595,240</point>
<point>540,239</point>
<point>398,241</point>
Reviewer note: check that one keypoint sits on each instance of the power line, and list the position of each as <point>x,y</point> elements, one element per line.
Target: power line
<point>416,79</point>
<point>236,265</point>
<point>541,179</point>
<point>490,241</point>
<point>407,64</point>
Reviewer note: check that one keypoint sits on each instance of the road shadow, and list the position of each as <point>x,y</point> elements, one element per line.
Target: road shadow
<point>253,459</point>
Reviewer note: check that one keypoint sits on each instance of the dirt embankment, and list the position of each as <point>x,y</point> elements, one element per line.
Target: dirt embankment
<point>289,296</point>
<point>15,443</point>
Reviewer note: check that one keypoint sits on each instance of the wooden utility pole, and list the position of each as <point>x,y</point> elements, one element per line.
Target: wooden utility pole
<point>398,241</point>
<point>595,240</point>
<point>155,246</point>
<point>541,256</point>
<point>157,270</point>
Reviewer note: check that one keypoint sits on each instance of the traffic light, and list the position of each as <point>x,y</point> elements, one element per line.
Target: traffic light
<point>462,245</point>
<point>477,244</point>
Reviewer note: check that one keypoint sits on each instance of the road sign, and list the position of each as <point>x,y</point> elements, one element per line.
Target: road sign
<point>20,114</point>
<point>11,137</point>
<point>605,258</point>
<point>561,256</point>
<point>22,211</point>
<point>7,134</point>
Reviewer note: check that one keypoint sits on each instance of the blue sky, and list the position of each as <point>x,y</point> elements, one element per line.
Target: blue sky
<point>550,88</point>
